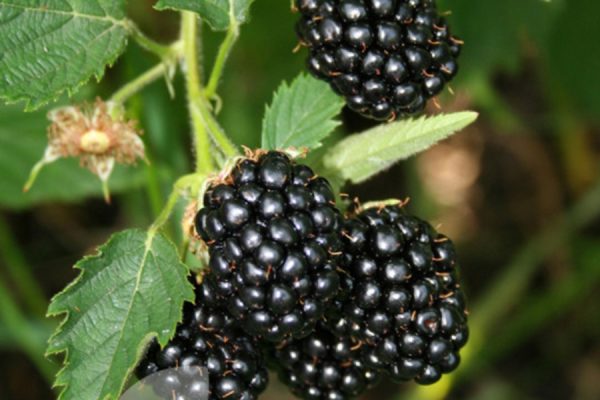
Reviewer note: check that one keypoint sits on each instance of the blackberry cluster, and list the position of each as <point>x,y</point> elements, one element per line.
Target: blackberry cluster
<point>207,338</point>
<point>406,304</point>
<point>333,302</point>
<point>386,57</point>
<point>324,367</point>
<point>273,234</point>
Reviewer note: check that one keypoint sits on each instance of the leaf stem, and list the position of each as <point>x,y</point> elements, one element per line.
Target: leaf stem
<point>166,212</point>
<point>217,133</point>
<point>189,35</point>
<point>20,271</point>
<point>21,332</point>
<point>188,183</point>
<point>146,43</point>
<point>224,51</point>
<point>148,77</point>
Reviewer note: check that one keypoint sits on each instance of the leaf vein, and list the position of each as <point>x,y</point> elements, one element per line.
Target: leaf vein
<point>147,250</point>
<point>70,13</point>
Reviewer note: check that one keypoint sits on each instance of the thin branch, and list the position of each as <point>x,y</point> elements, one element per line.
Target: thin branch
<point>146,43</point>
<point>189,36</point>
<point>163,69</point>
<point>222,56</point>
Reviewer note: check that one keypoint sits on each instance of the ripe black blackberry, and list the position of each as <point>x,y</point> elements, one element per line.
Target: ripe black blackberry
<point>324,367</point>
<point>386,57</point>
<point>406,304</point>
<point>273,233</point>
<point>207,337</point>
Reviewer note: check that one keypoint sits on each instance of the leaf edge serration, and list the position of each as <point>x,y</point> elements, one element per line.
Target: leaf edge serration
<point>54,312</point>
<point>286,88</point>
<point>32,104</point>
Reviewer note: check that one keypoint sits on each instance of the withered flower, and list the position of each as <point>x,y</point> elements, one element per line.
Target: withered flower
<point>97,134</point>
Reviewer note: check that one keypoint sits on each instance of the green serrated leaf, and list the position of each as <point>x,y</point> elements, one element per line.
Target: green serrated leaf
<point>47,47</point>
<point>219,14</point>
<point>132,290</point>
<point>301,114</point>
<point>22,143</point>
<point>360,156</point>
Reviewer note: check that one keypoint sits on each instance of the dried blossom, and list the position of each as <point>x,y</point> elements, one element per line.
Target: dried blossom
<point>97,134</point>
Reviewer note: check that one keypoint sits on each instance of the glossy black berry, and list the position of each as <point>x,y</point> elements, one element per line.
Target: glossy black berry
<point>273,234</point>
<point>405,44</point>
<point>405,303</point>
<point>324,367</point>
<point>206,338</point>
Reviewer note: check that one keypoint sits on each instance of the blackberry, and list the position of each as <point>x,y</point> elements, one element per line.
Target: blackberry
<point>273,234</point>
<point>386,57</point>
<point>324,367</point>
<point>406,304</point>
<point>207,337</point>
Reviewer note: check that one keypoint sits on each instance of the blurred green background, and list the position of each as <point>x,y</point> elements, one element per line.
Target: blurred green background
<point>519,192</point>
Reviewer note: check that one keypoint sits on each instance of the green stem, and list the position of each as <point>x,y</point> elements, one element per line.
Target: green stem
<point>189,36</point>
<point>20,271</point>
<point>188,183</point>
<point>21,332</point>
<point>146,43</point>
<point>217,133</point>
<point>222,56</point>
<point>140,82</point>
<point>166,212</point>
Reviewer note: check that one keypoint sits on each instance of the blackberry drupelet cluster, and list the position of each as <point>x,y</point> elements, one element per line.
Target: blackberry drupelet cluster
<point>386,57</point>
<point>333,302</point>
<point>406,305</point>
<point>324,367</point>
<point>207,338</point>
<point>273,234</point>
